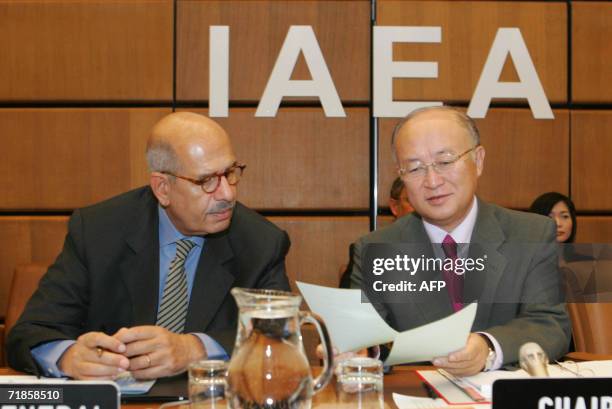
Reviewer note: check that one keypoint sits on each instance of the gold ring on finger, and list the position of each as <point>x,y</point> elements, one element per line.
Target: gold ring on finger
<point>99,352</point>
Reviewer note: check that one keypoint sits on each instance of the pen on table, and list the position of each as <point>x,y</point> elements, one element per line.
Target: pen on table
<point>430,391</point>
<point>469,390</point>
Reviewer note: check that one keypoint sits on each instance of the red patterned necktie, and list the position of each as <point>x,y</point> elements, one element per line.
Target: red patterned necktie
<point>454,282</point>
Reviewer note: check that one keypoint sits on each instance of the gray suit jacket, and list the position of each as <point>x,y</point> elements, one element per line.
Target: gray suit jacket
<point>517,292</point>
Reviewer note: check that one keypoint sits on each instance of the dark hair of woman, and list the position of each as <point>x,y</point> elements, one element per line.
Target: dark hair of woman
<point>544,204</point>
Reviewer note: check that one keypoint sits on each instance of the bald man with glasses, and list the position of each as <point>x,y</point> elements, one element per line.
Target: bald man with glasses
<point>142,283</point>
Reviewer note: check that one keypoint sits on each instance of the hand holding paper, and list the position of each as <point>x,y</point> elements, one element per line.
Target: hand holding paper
<point>354,325</point>
<point>430,341</point>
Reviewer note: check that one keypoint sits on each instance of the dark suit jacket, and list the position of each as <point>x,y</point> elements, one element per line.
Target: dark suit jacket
<point>518,292</point>
<point>345,277</point>
<point>107,275</point>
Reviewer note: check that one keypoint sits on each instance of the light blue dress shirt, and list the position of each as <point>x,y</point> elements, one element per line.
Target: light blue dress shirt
<point>48,354</point>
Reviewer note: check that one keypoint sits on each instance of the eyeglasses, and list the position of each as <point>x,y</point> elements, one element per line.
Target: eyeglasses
<point>440,166</point>
<point>210,183</point>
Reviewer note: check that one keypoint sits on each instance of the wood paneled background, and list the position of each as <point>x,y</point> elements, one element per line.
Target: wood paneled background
<point>83,81</point>
<point>468,30</point>
<point>257,32</point>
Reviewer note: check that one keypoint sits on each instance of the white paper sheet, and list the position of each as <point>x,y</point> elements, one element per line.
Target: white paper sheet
<point>446,389</point>
<point>593,369</point>
<point>128,385</point>
<point>352,325</point>
<point>413,402</point>
<point>483,381</point>
<point>433,340</point>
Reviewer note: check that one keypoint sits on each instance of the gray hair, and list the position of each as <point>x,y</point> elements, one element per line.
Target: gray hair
<point>462,119</point>
<point>161,157</point>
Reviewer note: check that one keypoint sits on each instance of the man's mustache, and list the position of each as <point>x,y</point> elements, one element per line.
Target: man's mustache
<point>222,206</point>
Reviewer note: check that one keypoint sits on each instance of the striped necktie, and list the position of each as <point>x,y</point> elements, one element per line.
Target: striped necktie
<point>173,308</point>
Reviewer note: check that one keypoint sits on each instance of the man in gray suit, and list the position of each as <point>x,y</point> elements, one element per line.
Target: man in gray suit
<point>439,158</point>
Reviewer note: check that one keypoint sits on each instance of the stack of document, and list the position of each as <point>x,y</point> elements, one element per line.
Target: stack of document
<point>591,369</point>
<point>454,393</point>
<point>483,382</point>
<point>354,325</point>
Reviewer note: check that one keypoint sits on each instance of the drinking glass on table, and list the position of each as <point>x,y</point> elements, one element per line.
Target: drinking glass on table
<point>207,381</point>
<point>359,383</point>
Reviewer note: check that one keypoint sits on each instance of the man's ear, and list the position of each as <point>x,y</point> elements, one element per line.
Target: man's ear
<point>394,205</point>
<point>161,188</point>
<point>480,156</point>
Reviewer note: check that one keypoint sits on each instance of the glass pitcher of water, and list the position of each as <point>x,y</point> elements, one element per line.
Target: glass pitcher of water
<point>269,368</point>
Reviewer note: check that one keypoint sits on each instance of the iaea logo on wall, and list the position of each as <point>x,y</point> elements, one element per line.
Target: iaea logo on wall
<point>508,42</point>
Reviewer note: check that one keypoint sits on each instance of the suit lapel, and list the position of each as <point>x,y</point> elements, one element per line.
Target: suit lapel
<point>140,267</point>
<point>213,280</point>
<point>486,240</point>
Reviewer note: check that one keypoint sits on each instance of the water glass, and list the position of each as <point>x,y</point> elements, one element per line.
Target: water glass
<point>207,381</point>
<point>360,383</point>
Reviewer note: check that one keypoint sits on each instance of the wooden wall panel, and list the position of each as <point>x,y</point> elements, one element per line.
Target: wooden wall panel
<point>594,229</point>
<point>468,30</point>
<point>67,158</point>
<point>591,229</point>
<point>257,32</point>
<point>591,49</point>
<point>591,164</point>
<point>26,240</point>
<point>86,50</point>
<point>301,159</point>
<point>524,157</point>
<point>320,246</point>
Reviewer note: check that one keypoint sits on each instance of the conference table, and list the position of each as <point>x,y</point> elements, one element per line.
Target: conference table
<point>402,380</point>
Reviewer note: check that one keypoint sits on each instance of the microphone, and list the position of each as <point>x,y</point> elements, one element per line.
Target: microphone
<point>533,359</point>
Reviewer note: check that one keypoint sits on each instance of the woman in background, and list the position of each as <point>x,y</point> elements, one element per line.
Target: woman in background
<point>561,209</point>
<point>576,270</point>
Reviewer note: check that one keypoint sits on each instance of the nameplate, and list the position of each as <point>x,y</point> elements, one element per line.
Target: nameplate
<point>548,393</point>
<point>59,395</point>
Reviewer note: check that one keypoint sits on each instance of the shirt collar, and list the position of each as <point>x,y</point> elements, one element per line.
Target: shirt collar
<point>461,233</point>
<point>168,234</point>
